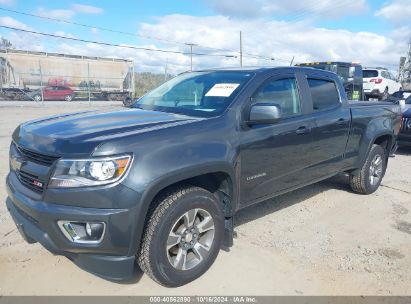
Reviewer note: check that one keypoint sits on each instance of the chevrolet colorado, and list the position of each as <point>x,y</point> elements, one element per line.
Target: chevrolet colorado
<point>158,184</point>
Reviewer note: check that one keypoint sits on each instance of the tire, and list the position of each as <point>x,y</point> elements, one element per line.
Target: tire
<point>37,98</point>
<point>385,94</point>
<point>166,236</point>
<point>128,101</point>
<point>68,98</point>
<point>369,178</point>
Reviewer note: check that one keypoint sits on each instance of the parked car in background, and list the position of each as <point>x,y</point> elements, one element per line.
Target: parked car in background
<point>404,138</point>
<point>379,83</point>
<point>399,95</point>
<point>53,93</point>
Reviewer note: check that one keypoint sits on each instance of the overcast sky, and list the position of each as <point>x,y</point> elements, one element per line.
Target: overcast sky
<point>373,32</point>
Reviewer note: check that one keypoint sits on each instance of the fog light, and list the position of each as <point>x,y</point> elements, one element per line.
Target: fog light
<point>88,229</point>
<point>82,232</point>
<point>94,230</point>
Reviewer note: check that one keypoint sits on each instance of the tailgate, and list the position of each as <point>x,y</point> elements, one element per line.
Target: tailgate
<point>367,85</point>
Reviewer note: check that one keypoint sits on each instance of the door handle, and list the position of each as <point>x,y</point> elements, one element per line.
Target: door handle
<point>342,121</point>
<point>303,130</point>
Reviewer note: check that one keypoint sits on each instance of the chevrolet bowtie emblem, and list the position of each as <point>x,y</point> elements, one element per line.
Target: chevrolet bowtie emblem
<point>16,163</point>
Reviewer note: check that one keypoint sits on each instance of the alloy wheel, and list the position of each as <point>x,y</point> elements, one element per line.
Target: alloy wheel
<point>376,168</point>
<point>190,239</point>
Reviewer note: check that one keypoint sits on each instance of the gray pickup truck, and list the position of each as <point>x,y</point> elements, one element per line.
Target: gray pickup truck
<point>159,183</point>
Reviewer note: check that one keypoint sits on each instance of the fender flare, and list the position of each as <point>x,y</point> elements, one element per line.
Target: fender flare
<point>364,154</point>
<point>156,186</point>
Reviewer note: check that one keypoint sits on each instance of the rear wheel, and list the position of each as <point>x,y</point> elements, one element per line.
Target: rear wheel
<point>68,98</point>
<point>37,98</point>
<point>369,178</point>
<point>385,94</point>
<point>183,236</point>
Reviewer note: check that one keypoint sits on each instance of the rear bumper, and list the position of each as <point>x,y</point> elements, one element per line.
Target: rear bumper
<point>37,222</point>
<point>372,93</point>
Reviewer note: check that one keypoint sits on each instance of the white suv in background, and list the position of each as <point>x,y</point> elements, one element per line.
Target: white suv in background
<point>379,83</point>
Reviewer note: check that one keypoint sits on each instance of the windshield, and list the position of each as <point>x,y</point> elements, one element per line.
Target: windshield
<point>369,73</point>
<point>327,67</point>
<point>203,94</point>
<point>342,71</point>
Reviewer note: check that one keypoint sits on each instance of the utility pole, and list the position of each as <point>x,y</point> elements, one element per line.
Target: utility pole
<point>88,82</point>
<point>41,83</point>
<point>241,49</point>
<point>191,54</point>
<point>7,68</point>
<point>292,61</point>
<point>133,81</point>
<point>405,74</point>
<point>165,70</point>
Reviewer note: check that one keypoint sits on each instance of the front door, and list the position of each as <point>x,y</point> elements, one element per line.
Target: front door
<point>273,156</point>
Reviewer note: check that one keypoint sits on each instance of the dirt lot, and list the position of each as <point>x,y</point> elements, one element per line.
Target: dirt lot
<point>320,240</point>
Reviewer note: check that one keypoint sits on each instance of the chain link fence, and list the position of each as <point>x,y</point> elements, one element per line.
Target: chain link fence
<point>40,76</point>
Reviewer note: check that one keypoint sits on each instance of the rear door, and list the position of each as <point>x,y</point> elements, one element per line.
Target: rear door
<point>331,125</point>
<point>60,93</point>
<point>274,156</point>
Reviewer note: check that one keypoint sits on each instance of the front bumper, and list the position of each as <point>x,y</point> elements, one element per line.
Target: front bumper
<point>37,222</point>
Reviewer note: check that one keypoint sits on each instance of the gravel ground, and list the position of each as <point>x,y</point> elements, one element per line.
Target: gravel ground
<point>319,240</point>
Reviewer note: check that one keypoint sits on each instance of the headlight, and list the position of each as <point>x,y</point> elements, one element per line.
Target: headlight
<point>71,173</point>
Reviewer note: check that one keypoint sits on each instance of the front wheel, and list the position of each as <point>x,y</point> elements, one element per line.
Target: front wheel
<point>183,236</point>
<point>369,178</point>
<point>68,98</point>
<point>128,101</point>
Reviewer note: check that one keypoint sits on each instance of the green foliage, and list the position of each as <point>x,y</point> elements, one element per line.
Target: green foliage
<point>6,44</point>
<point>147,81</point>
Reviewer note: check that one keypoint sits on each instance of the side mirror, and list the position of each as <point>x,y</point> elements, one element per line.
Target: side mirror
<point>264,113</point>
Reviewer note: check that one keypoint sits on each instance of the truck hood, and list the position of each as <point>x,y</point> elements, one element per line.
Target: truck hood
<point>80,133</point>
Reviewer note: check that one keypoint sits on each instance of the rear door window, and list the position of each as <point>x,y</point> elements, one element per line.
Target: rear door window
<point>369,73</point>
<point>324,94</point>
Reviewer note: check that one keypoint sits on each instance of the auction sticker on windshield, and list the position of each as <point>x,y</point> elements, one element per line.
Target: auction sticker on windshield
<point>222,89</point>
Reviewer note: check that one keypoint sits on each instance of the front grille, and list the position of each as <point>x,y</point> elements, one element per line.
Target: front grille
<point>37,157</point>
<point>404,125</point>
<point>31,181</point>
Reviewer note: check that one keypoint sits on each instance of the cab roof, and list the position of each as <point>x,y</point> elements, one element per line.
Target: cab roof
<point>328,62</point>
<point>253,69</point>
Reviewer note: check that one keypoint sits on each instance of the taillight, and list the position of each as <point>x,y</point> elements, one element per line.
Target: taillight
<point>400,123</point>
<point>376,80</point>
